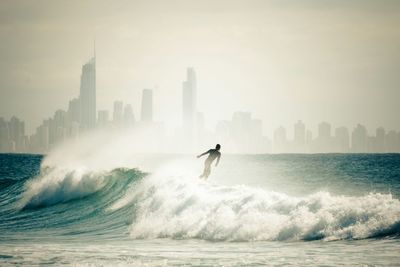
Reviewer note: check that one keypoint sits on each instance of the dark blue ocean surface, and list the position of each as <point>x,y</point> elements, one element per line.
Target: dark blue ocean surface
<point>254,210</point>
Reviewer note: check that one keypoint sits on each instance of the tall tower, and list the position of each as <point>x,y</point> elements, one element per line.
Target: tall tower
<point>87,95</point>
<point>147,106</point>
<point>189,101</point>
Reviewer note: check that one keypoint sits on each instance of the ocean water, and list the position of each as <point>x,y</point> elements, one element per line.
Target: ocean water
<point>255,210</point>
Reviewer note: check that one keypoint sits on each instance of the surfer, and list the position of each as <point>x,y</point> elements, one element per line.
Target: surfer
<point>213,154</point>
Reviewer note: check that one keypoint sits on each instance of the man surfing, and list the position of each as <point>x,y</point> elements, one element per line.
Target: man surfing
<point>213,154</point>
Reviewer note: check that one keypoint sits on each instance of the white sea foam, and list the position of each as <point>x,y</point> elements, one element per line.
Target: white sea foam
<point>182,207</point>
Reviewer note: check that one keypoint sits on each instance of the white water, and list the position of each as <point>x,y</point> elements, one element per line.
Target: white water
<point>183,207</point>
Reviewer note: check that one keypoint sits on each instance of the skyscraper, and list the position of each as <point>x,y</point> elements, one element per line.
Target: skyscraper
<point>147,106</point>
<point>391,142</point>
<point>189,101</point>
<point>87,95</point>
<point>74,110</point>
<point>359,139</point>
<point>4,135</point>
<point>118,112</point>
<point>380,140</point>
<point>129,118</point>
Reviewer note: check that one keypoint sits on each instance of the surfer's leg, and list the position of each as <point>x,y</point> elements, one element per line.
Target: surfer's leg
<point>207,171</point>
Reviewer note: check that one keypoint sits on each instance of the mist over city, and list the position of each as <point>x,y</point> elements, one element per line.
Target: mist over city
<point>269,77</point>
<point>240,134</point>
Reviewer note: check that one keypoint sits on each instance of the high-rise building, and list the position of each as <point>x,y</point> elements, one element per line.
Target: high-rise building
<point>380,140</point>
<point>74,113</point>
<point>16,133</point>
<point>129,117</point>
<point>189,101</point>
<point>147,106</point>
<point>4,135</point>
<point>398,142</point>
<point>359,139</point>
<point>87,95</point>
<point>118,112</point>
<point>60,123</point>
<point>391,142</point>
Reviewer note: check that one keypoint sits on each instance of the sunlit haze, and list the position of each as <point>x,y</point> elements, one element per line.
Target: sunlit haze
<point>282,61</point>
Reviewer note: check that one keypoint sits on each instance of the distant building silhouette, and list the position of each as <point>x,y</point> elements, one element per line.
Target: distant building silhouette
<point>299,140</point>
<point>299,133</point>
<point>189,102</point>
<point>74,112</point>
<point>392,142</point>
<point>129,117</point>
<point>118,113</point>
<point>87,96</point>
<point>309,140</point>
<point>147,106</point>
<point>241,134</point>
<point>58,126</point>
<point>280,140</point>
<point>4,135</point>
<point>359,139</point>
<point>379,146</point>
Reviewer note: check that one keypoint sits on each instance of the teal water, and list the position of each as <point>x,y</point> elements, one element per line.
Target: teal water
<point>295,210</point>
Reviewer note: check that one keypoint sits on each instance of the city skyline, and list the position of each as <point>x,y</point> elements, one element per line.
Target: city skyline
<point>90,114</point>
<point>241,134</point>
<point>281,61</point>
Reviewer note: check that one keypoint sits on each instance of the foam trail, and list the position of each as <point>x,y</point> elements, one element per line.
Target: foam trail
<point>180,208</point>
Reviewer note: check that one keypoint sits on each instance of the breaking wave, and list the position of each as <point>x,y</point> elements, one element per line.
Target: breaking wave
<point>165,205</point>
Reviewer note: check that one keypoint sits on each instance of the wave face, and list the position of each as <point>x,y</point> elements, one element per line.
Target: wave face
<point>125,202</point>
<point>67,203</point>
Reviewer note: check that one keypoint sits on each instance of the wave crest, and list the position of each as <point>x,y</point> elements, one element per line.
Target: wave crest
<point>55,185</point>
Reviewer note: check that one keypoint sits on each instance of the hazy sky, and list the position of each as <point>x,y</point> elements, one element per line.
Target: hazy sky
<point>285,60</point>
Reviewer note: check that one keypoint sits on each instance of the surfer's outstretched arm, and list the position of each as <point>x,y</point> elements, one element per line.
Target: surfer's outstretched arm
<point>205,153</point>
